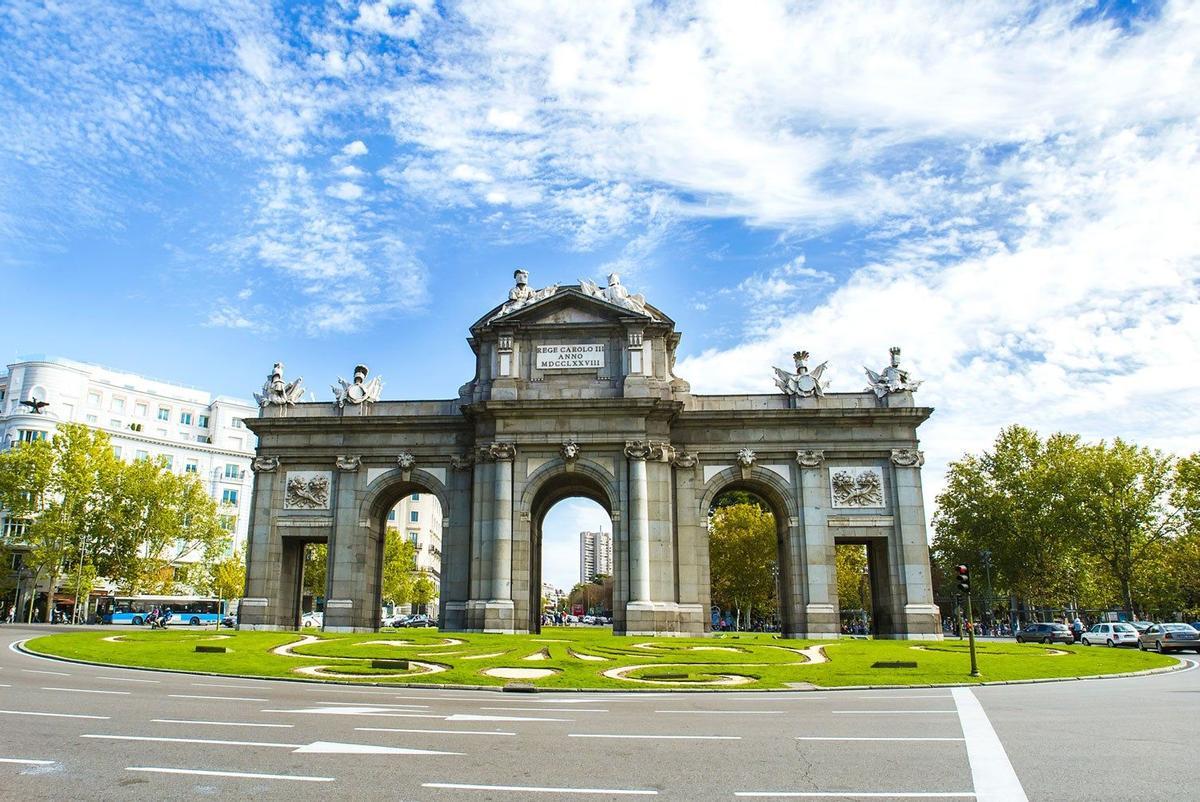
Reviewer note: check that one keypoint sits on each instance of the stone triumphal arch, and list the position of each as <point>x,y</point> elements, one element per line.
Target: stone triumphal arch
<point>574,395</point>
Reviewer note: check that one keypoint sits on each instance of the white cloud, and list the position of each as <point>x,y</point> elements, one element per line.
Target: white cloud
<point>378,18</point>
<point>355,148</point>
<point>345,190</point>
<point>465,172</point>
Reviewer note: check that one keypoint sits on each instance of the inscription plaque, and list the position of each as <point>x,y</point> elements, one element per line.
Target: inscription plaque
<point>567,357</point>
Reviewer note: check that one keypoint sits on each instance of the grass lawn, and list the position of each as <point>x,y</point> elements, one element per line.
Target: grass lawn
<point>572,657</point>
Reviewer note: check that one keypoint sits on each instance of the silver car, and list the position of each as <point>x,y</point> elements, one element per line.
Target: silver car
<point>1170,638</point>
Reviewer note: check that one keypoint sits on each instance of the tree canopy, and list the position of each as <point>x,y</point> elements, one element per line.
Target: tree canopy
<point>743,559</point>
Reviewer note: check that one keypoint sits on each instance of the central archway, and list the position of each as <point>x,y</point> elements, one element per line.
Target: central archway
<point>544,492</point>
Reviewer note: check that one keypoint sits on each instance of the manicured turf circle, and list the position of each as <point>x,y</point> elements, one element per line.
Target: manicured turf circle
<point>564,657</point>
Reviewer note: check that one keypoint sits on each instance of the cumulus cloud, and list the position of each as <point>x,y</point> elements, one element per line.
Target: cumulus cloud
<point>355,148</point>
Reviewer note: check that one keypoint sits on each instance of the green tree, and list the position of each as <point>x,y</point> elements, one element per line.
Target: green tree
<point>399,568</point>
<point>854,590</point>
<point>742,557</point>
<point>316,562</point>
<point>229,576</point>
<point>424,591</point>
<point>594,595</point>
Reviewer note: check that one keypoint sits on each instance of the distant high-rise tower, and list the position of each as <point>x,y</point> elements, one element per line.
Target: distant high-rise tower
<point>595,555</point>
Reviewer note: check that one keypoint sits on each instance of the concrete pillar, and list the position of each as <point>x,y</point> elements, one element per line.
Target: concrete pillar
<point>916,614</point>
<point>639,524</point>
<point>259,608</point>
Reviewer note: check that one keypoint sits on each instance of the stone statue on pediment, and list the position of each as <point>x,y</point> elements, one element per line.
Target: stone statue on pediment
<point>522,295</point>
<point>278,393</point>
<point>615,293</point>
<point>891,379</point>
<point>359,391</point>
<point>802,383</point>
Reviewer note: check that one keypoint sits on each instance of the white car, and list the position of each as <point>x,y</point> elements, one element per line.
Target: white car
<point>312,620</point>
<point>1118,634</point>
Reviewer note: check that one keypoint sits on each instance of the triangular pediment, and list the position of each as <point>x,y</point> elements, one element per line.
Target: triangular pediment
<point>568,305</point>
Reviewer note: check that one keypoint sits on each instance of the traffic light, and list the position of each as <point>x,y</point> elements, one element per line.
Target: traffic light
<point>964,578</point>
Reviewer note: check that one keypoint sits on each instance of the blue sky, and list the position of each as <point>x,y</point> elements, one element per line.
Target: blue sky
<point>1010,191</point>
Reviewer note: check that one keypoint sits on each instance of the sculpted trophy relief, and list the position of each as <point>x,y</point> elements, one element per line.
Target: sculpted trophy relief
<point>891,379</point>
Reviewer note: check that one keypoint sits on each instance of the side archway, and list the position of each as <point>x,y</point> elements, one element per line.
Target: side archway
<point>779,498</point>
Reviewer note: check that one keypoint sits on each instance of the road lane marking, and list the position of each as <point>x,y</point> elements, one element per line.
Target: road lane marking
<point>128,679</point>
<point>26,761</point>
<point>51,715</point>
<point>892,712</point>
<point>433,732</point>
<point>533,789</point>
<point>86,690</point>
<point>35,671</point>
<point>831,738</point>
<point>239,774</point>
<point>888,697</point>
<point>218,723</point>
<point>659,737</point>
<point>225,685</point>
<point>728,712</point>
<point>355,711</point>
<point>991,771</point>
<point>316,747</point>
<point>217,698</point>
<point>378,704</point>
<point>475,717</point>
<point>5,686</point>
<point>856,795</point>
<point>548,709</point>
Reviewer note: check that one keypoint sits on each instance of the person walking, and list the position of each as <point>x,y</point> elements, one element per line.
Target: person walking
<point>1077,629</point>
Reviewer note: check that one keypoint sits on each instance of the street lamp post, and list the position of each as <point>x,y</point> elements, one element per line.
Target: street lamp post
<point>985,557</point>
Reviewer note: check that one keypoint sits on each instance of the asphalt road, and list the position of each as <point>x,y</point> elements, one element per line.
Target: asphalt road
<point>81,732</point>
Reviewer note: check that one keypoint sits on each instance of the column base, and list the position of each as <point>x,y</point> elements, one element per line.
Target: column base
<point>663,619</point>
<point>454,617</point>
<point>494,616</point>
<point>343,615</point>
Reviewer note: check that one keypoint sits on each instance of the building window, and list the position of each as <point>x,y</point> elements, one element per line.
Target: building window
<point>227,522</point>
<point>117,452</point>
<point>200,438</point>
<point>92,419</point>
<point>185,418</point>
<point>412,536</point>
<point>391,515</point>
<point>169,462</point>
<point>15,527</point>
<point>117,404</point>
<point>229,497</point>
<point>416,496</point>
<point>202,421</point>
<point>414,516</point>
<point>140,454</point>
<point>140,409</point>
<point>236,423</point>
<point>191,467</point>
<point>93,399</point>
<point>30,435</point>
<point>232,471</point>
<point>164,413</point>
<point>18,559</point>
<point>114,423</point>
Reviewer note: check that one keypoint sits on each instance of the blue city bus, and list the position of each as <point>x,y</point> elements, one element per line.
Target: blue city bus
<point>193,610</point>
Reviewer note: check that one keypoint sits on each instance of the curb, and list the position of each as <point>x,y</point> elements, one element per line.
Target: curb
<point>1180,665</point>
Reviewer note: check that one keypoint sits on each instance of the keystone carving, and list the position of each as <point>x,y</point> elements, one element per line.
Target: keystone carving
<point>406,461</point>
<point>746,458</point>
<point>810,457</point>
<point>569,450</point>
<point>908,457</point>
<point>348,463</point>
<point>264,464</point>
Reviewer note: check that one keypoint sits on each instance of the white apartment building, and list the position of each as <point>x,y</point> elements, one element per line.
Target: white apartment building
<point>419,518</point>
<point>595,555</point>
<point>197,432</point>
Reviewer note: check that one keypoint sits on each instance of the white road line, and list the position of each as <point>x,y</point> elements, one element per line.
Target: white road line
<point>50,715</point>
<point>433,732</point>
<point>217,698</point>
<point>888,697</point>
<point>26,761</point>
<point>128,679</point>
<point>355,711</point>
<point>241,774</point>
<point>87,690</point>
<point>659,737</point>
<point>475,717</point>
<point>219,723</point>
<point>991,771</point>
<point>548,709</point>
<point>380,704</point>
<point>830,738</point>
<point>35,671</point>
<point>210,741</point>
<point>532,789</point>
<point>728,712</point>
<point>5,686</point>
<point>856,795</point>
<point>892,712</point>
<point>224,685</point>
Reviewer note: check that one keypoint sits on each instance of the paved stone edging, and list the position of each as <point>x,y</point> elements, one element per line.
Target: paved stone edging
<point>1180,665</point>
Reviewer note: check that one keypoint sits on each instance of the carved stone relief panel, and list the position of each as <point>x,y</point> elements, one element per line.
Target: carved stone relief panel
<point>307,490</point>
<point>856,487</point>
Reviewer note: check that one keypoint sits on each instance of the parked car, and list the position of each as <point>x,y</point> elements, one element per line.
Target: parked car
<point>1170,638</point>
<point>1045,633</point>
<point>401,621</point>
<point>1118,634</point>
<point>1141,626</point>
<point>313,619</point>
<point>419,621</point>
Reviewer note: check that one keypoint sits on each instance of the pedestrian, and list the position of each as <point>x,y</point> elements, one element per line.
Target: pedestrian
<point>1077,629</point>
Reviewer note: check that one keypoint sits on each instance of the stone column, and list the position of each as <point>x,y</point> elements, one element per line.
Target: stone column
<point>639,524</point>
<point>259,608</point>
<point>820,566</point>
<point>502,523</point>
<point>920,617</point>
